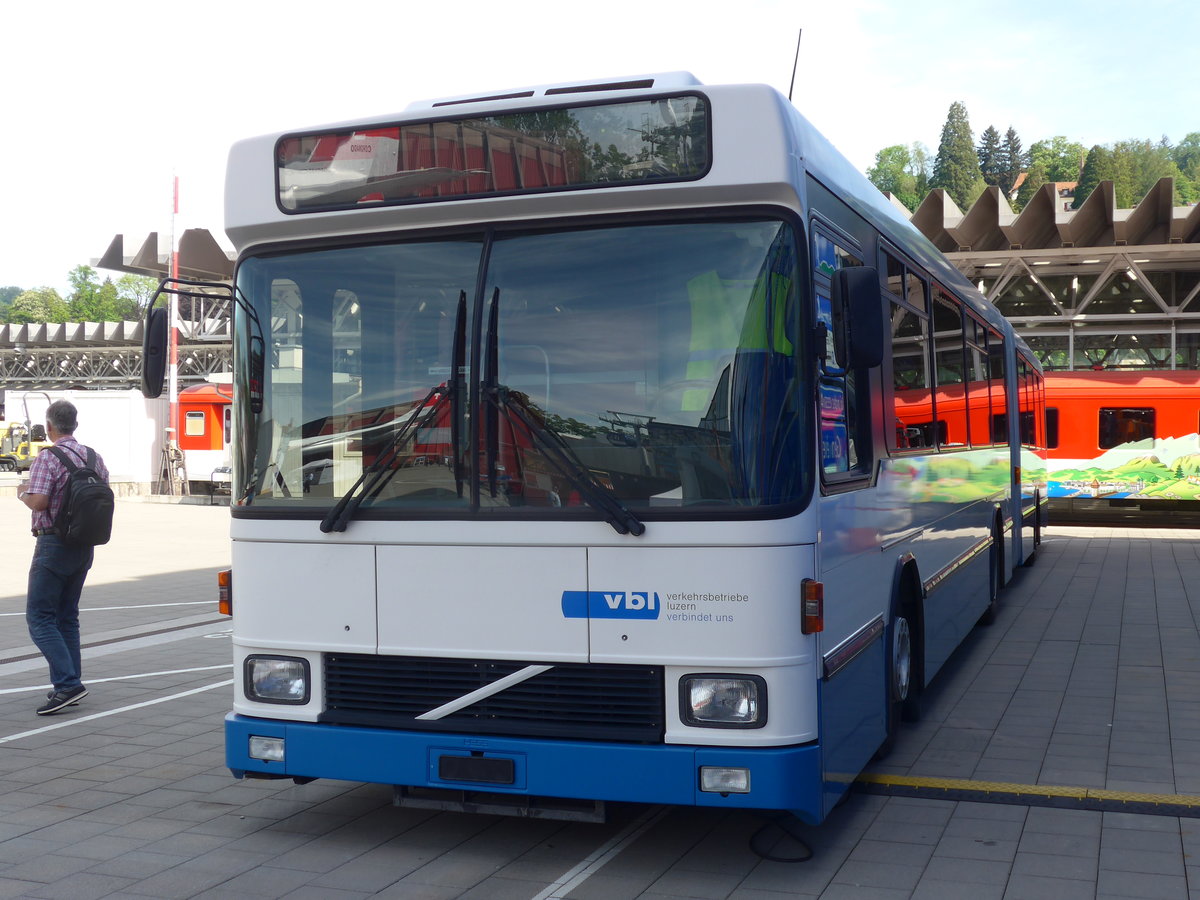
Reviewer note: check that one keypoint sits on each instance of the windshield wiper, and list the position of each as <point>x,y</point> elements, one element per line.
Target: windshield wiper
<point>508,402</point>
<point>376,475</point>
<point>598,496</point>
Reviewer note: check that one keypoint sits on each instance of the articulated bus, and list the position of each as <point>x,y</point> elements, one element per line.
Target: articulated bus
<point>603,442</point>
<point>1124,443</point>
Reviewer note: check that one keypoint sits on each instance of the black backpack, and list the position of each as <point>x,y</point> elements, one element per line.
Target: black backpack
<point>85,517</point>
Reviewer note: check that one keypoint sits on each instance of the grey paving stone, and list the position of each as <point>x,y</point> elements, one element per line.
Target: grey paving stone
<point>1039,887</point>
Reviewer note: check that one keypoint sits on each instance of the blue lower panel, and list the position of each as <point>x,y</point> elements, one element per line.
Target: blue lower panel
<point>780,777</point>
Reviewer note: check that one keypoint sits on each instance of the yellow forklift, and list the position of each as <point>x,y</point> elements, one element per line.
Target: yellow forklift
<point>19,444</point>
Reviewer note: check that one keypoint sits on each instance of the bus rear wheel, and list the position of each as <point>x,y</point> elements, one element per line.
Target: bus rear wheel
<point>903,697</point>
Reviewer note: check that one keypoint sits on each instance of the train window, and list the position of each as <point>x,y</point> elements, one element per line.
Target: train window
<point>193,423</point>
<point>1051,427</point>
<point>920,434</point>
<point>1125,425</point>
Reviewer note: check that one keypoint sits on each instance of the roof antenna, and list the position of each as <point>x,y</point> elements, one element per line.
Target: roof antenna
<point>795,63</point>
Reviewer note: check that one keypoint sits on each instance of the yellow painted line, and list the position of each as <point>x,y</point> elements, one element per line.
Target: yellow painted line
<point>1026,790</point>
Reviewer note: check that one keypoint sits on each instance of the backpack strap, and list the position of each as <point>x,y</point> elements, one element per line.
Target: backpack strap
<point>65,458</point>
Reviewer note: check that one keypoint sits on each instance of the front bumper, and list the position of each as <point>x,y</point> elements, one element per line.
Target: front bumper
<point>785,778</point>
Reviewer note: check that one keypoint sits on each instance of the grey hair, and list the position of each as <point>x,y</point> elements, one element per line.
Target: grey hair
<point>63,416</point>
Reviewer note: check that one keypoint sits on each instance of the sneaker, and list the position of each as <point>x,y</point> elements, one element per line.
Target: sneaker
<point>50,696</point>
<point>62,699</point>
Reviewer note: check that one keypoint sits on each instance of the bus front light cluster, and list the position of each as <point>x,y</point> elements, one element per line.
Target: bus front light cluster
<point>277,679</point>
<point>723,701</point>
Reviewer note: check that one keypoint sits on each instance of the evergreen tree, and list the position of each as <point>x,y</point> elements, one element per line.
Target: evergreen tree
<point>1186,155</point>
<point>990,156</point>
<point>1123,175</point>
<point>7,296</point>
<point>956,167</point>
<point>1097,168</point>
<point>1012,161</point>
<point>1034,179</point>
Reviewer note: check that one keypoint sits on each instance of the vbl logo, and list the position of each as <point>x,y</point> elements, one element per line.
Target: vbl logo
<point>610,604</point>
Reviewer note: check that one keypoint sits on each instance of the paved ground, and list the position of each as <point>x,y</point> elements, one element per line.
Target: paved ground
<point>1088,679</point>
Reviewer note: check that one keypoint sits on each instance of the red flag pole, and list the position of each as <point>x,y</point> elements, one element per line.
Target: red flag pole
<point>173,358</point>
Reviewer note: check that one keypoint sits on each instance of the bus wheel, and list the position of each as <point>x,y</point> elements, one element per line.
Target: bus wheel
<point>903,701</point>
<point>906,663</point>
<point>897,680</point>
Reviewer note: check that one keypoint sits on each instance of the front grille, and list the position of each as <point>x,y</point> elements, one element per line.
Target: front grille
<point>571,700</point>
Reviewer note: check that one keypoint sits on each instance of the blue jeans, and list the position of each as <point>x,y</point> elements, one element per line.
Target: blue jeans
<point>52,609</point>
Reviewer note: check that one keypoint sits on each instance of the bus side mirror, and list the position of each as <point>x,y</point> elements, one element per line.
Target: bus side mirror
<point>857,318</point>
<point>154,352</point>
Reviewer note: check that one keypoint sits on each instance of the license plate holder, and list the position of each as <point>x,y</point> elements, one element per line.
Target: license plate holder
<point>477,769</point>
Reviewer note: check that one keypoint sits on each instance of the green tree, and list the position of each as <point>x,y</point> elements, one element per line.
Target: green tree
<point>38,305</point>
<point>1187,154</point>
<point>1012,161</point>
<point>1034,179</point>
<point>919,168</point>
<point>94,301</point>
<point>891,173</point>
<point>136,291</point>
<point>1097,167</point>
<point>990,153</point>
<point>7,296</point>
<point>956,167</point>
<point>1059,158</point>
<point>84,299</point>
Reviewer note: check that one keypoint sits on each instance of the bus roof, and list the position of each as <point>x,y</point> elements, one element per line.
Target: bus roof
<point>761,148</point>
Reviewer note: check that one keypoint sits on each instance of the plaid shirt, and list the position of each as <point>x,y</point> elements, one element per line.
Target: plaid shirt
<point>48,476</point>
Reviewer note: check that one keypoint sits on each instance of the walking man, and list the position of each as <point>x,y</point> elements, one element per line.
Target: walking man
<point>58,571</point>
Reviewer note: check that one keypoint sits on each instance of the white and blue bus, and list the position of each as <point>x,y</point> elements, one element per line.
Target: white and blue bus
<point>603,442</point>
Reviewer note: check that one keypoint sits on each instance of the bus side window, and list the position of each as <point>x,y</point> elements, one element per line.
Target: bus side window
<point>844,408</point>
<point>949,369</point>
<point>912,398</point>
<point>999,388</point>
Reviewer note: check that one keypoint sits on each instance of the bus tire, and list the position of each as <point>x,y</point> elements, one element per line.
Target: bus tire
<point>901,693</point>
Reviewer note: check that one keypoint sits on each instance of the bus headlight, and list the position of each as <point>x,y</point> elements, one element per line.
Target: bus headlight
<point>723,701</point>
<point>277,679</point>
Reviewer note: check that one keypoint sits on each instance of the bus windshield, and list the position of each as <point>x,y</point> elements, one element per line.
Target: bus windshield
<point>636,368</point>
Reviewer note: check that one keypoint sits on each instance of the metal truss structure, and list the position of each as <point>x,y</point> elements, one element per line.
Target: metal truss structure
<point>1093,288</point>
<point>94,355</point>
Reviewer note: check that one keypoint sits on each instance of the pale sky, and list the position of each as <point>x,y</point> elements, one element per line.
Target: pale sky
<point>103,104</point>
